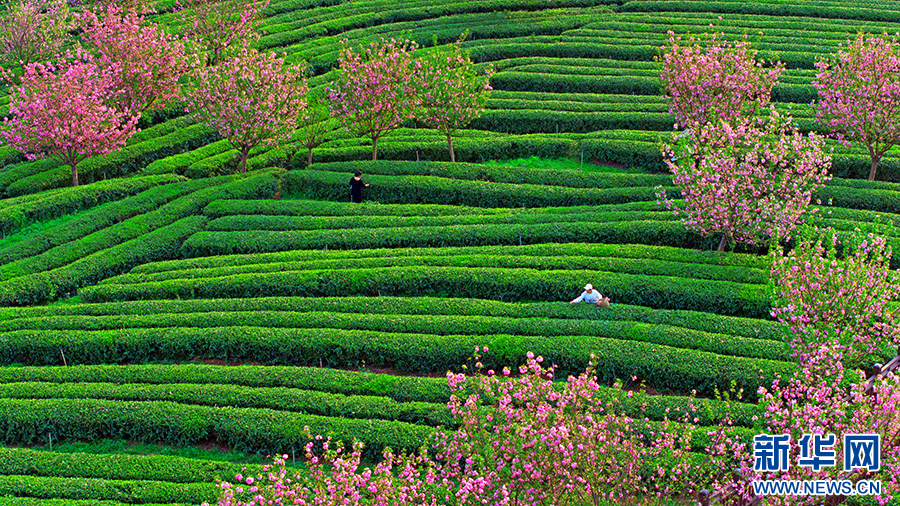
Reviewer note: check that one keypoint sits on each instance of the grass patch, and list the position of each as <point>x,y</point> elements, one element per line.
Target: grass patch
<point>535,162</point>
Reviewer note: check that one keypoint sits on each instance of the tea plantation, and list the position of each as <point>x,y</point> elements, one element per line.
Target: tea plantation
<point>170,300</point>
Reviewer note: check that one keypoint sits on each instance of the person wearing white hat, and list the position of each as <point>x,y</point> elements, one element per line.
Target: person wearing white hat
<point>591,296</point>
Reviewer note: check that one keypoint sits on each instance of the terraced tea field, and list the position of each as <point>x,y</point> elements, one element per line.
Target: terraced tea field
<point>171,301</point>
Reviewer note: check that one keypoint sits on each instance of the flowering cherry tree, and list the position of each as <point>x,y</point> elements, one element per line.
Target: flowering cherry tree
<point>218,26</point>
<point>815,401</point>
<point>822,296</point>
<point>376,90</point>
<point>250,98</point>
<point>33,30</point>
<point>751,181</point>
<point>149,62</point>
<point>709,79</point>
<point>859,94</point>
<point>453,93</point>
<point>71,111</point>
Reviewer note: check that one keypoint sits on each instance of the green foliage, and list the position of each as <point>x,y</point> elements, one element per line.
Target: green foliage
<point>19,212</point>
<point>320,185</point>
<point>244,429</point>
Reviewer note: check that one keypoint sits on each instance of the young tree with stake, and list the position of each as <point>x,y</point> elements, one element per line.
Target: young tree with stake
<point>315,123</point>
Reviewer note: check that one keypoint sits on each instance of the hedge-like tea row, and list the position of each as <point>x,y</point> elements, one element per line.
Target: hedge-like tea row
<point>177,164</point>
<point>804,9</point>
<point>661,366</point>
<point>427,189</point>
<point>664,292</point>
<point>364,210</point>
<point>666,253</point>
<point>491,173</point>
<point>661,233</point>
<point>126,491</point>
<point>100,218</point>
<point>20,461</point>
<point>15,216</point>
<point>33,501</point>
<point>723,344</point>
<point>701,321</point>
<point>399,388</point>
<point>162,243</point>
<point>282,399</point>
<point>489,146</point>
<point>134,229</point>
<point>545,121</point>
<point>579,262</point>
<point>293,223</point>
<point>243,429</point>
<point>127,161</point>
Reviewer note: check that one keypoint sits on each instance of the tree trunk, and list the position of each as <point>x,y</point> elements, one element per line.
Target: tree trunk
<point>374,148</point>
<point>875,161</point>
<point>722,243</point>
<point>450,143</point>
<point>309,157</point>
<point>244,155</point>
<point>74,174</point>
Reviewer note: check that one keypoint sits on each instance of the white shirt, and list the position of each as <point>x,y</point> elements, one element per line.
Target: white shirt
<point>592,297</point>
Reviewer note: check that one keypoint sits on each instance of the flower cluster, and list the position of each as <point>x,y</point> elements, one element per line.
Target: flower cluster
<point>149,61</point>
<point>859,94</point>
<point>72,110</point>
<point>376,89</point>
<point>710,79</point>
<point>521,440</point>
<point>750,181</point>
<point>250,98</point>
<point>815,400</point>
<point>33,30</point>
<point>829,291</point>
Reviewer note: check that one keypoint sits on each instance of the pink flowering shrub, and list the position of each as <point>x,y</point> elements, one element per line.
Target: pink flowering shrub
<point>826,291</point>
<point>520,441</point>
<point>709,79</point>
<point>376,89</point>
<point>250,98</point>
<point>751,181</point>
<point>859,94</point>
<point>523,442</point>
<point>34,30</point>
<point>72,110</point>
<point>453,92</point>
<point>823,398</point>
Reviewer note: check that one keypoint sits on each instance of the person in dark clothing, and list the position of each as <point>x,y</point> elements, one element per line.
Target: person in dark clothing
<point>356,186</point>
